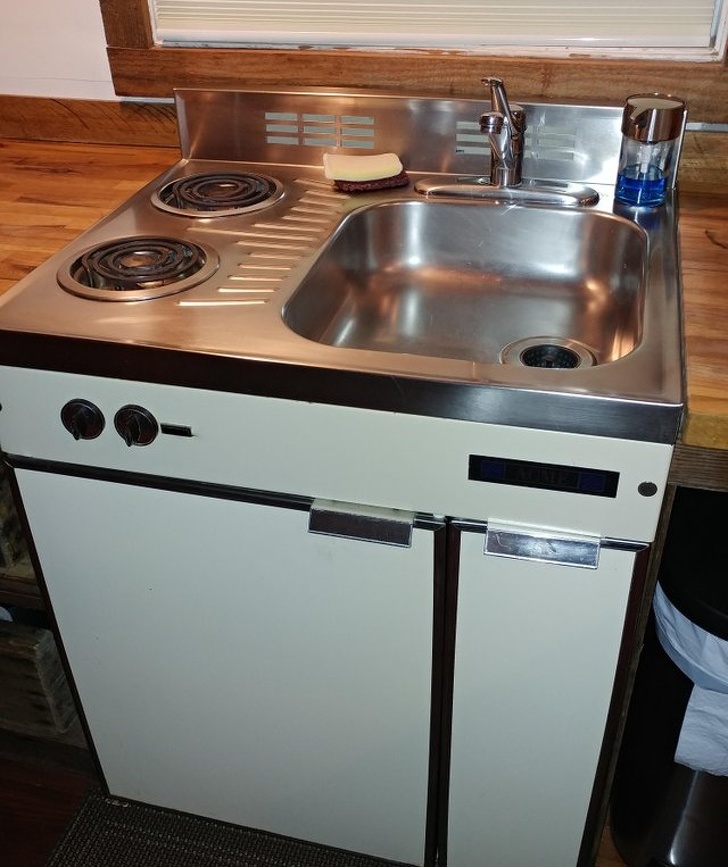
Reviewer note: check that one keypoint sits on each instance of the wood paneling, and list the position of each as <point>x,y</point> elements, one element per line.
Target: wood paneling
<point>127,23</point>
<point>141,69</point>
<point>704,166</point>
<point>703,468</point>
<point>79,120</point>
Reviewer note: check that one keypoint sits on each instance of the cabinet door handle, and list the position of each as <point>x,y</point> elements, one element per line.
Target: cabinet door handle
<point>365,523</point>
<point>532,543</point>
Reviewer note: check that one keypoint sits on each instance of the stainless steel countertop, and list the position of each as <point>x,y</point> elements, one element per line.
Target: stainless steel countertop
<point>248,348</point>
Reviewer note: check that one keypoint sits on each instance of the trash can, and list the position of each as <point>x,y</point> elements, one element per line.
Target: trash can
<point>669,805</point>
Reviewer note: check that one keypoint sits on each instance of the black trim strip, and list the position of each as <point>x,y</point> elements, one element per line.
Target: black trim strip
<point>449,620</point>
<point>195,487</point>
<point>163,483</point>
<point>435,787</point>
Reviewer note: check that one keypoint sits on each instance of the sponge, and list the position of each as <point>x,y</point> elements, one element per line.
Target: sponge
<point>342,167</point>
<point>364,173</point>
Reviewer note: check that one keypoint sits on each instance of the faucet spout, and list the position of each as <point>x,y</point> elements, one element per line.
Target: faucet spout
<point>504,125</point>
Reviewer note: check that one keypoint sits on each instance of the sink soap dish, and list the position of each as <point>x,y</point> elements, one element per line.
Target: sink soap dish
<point>364,174</point>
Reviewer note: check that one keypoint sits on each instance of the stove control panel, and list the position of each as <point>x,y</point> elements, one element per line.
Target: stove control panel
<point>82,419</point>
<point>476,471</point>
<point>85,421</point>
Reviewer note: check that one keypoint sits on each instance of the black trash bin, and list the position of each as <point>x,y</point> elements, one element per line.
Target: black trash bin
<point>663,813</point>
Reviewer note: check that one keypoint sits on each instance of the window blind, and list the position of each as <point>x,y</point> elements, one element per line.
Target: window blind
<point>586,24</point>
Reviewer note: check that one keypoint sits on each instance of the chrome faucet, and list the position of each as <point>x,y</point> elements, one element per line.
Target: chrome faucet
<point>504,125</point>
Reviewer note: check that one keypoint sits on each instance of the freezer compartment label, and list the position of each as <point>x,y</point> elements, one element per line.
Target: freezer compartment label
<point>552,477</point>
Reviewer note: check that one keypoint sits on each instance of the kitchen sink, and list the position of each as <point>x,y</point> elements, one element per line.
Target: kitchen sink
<point>543,287</point>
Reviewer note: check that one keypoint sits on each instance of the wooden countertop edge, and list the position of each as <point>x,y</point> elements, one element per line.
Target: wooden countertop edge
<point>703,430</point>
<point>699,467</point>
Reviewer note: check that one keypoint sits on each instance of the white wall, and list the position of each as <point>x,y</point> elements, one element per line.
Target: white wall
<point>53,48</point>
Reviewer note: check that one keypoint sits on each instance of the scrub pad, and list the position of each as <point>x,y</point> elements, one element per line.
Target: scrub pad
<point>364,173</point>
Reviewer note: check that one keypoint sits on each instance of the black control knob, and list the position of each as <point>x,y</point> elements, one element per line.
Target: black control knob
<point>82,419</point>
<point>136,425</point>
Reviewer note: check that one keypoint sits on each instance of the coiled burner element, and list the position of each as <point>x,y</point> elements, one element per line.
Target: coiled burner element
<point>217,194</point>
<point>137,268</point>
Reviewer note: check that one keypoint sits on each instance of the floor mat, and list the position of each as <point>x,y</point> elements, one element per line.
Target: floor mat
<point>107,832</point>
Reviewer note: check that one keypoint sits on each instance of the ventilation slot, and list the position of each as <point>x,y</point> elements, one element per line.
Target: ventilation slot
<point>551,143</point>
<point>319,130</point>
<point>540,142</point>
<point>469,139</point>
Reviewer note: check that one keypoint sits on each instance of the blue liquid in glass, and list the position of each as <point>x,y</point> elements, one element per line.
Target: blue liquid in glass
<point>635,187</point>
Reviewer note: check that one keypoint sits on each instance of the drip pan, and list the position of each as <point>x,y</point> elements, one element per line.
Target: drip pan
<point>137,268</point>
<point>548,352</point>
<point>218,194</point>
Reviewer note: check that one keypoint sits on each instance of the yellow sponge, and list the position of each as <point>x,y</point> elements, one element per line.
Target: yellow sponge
<point>342,167</point>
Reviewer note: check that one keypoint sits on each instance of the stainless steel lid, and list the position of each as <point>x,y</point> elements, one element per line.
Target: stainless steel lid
<point>653,117</point>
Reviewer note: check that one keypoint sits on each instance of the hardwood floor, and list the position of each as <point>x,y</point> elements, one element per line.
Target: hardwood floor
<point>38,798</point>
<point>36,803</point>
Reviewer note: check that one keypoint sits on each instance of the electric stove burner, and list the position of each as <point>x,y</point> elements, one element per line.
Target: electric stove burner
<point>218,194</point>
<point>137,268</point>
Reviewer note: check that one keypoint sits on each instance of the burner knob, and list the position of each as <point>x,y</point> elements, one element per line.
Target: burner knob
<point>82,419</point>
<point>135,425</point>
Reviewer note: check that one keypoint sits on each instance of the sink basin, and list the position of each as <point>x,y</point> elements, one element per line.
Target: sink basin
<point>478,282</point>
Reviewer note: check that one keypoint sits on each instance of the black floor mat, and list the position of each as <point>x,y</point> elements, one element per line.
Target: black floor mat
<point>107,832</point>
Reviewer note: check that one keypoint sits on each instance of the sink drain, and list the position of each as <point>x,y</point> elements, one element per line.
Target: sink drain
<point>548,352</point>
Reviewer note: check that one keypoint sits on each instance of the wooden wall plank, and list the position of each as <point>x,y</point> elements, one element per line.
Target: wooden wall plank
<point>154,71</point>
<point>79,120</point>
<point>126,22</point>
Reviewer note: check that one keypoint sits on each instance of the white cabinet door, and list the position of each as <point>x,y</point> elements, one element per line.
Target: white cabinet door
<point>233,665</point>
<point>535,658</point>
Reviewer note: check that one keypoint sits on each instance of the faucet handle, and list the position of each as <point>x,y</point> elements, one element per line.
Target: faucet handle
<point>492,122</point>
<point>498,99</point>
<point>514,114</point>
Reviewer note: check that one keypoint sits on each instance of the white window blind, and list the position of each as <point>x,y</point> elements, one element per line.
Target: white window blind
<point>607,25</point>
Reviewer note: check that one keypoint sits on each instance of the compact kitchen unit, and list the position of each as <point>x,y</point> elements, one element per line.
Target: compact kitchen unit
<point>308,591</point>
